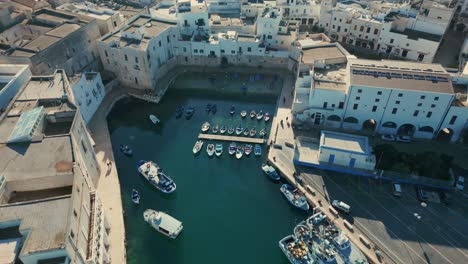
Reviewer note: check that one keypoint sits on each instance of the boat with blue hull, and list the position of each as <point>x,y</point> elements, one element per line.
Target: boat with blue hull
<point>270,172</point>
<point>295,197</point>
<point>155,176</point>
<point>135,197</point>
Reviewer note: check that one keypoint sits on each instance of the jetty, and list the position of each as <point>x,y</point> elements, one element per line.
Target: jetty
<point>232,138</point>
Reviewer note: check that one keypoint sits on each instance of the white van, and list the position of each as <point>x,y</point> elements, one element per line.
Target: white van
<point>342,206</point>
<point>396,189</point>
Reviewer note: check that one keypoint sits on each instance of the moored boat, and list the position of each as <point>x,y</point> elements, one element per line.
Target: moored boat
<point>248,149</point>
<point>189,112</point>
<point>135,196</point>
<point>246,132</point>
<point>214,109</point>
<point>232,110</point>
<point>126,150</point>
<point>257,150</point>
<point>296,251</point>
<point>253,132</point>
<point>218,149</point>
<point>243,113</point>
<point>205,127</point>
<point>252,114</point>
<point>215,129</point>
<point>154,175</point>
<point>198,146</point>
<point>223,129</point>
<point>208,108</point>
<point>271,172</point>
<point>239,152</point>
<point>154,119</point>
<point>262,132</point>
<point>295,197</point>
<point>231,130</point>
<point>260,115</point>
<point>210,149</point>
<point>239,130</point>
<point>232,148</point>
<point>179,111</point>
<point>267,117</point>
<point>163,223</point>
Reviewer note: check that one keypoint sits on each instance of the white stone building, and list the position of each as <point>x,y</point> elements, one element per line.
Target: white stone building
<point>304,12</point>
<point>88,92</point>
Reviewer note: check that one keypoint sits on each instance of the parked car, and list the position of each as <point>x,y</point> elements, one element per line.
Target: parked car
<point>404,139</point>
<point>421,194</point>
<point>344,207</point>
<point>460,184</point>
<point>388,137</point>
<point>396,187</point>
<point>310,189</point>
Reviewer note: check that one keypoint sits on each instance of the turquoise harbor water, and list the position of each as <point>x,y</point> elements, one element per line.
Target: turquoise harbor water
<point>231,211</point>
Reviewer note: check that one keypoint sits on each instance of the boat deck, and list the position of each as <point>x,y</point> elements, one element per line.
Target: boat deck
<point>232,138</point>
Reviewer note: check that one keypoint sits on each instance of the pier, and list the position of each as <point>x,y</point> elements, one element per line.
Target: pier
<point>232,138</point>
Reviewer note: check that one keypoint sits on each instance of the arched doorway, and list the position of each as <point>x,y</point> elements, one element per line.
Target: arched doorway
<point>445,135</point>
<point>406,130</point>
<point>351,119</point>
<point>334,118</point>
<point>369,125</point>
<point>389,125</point>
<point>317,118</point>
<point>427,129</point>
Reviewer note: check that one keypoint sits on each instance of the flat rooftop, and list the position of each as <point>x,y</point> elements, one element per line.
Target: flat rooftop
<point>312,54</point>
<point>44,221</point>
<point>46,87</point>
<point>333,78</point>
<point>344,142</point>
<point>415,35</point>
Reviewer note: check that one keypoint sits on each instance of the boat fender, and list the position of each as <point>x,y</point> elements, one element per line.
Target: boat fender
<point>348,225</point>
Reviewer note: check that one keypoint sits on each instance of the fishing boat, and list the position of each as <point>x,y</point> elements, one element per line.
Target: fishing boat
<point>154,119</point>
<point>267,117</point>
<point>223,129</point>
<point>208,108</point>
<point>189,112</point>
<point>271,172</point>
<point>215,129</point>
<point>252,114</point>
<point>135,196</point>
<point>231,130</point>
<point>262,132</point>
<point>232,110</point>
<point>243,114</point>
<point>179,111</point>
<point>205,127</point>
<point>239,152</point>
<point>257,150</point>
<point>239,130</point>
<point>253,132</point>
<point>295,197</point>
<point>126,150</point>
<point>214,109</point>
<point>246,132</point>
<point>210,149</point>
<point>296,251</point>
<point>232,148</point>
<point>260,115</point>
<point>155,176</point>
<point>198,146</point>
<point>163,223</point>
<point>248,149</point>
<point>218,149</point>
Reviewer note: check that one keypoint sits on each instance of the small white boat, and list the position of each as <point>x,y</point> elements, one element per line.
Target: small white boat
<point>239,130</point>
<point>223,129</point>
<point>198,146</point>
<point>231,130</point>
<point>257,150</point>
<point>252,114</point>
<point>260,115</point>
<point>232,148</point>
<point>210,149</point>
<point>163,223</point>
<point>262,132</point>
<point>239,152</point>
<point>267,117</point>
<point>135,196</point>
<point>246,132</point>
<point>271,172</point>
<point>248,149</point>
<point>215,129</point>
<point>218,150</point>
<point>243,114</point>
<point>253,132</point>
<point>205,127</point>
<point>154,119</point>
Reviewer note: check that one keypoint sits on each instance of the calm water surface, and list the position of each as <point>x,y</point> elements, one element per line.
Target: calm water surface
<point>232,213</point>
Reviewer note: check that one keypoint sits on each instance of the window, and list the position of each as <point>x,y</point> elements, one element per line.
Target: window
<point>249,49</point>
<point>202,51</point>
<point>423,97</point>
<point>341,105</point>
<point>397,102</point>
<point>72,234</point>
<point>391,41</point>
<point>325,105</point>
<point>126,58</point>
<point>394,111</point>
<point>335,18</point>
<point>136,80</point>
<point>269,37</point>
<point>452,120</point>
<point>432,105</point>
<point>105,52</point>
<point>355,106</point>
<point>359,90</point>
<point>368,30</point>
<point>222,51</point>
<point>84,147</point>
<point>361,29</point>
<point>159,43</point>
<point>377,100</point>
<point>195,51</point>
<point>168,40</point>
<point>436,98</point>
<point>74,213</point>
<point>415,113</point>
<point>355,27</point>
<point>429,114</point>
<point>185,49</point>
<point>379,93</point>
<point>376,31</point>
<point>374,108</point>
<point>136,59</point>
<point>419,104</point>
<point>233,52</point>
<point>186,59</point>
<point>333,26</point>
<point>400,95</point>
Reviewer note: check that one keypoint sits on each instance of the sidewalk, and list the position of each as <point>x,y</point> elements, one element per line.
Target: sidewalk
<point>282,159</point>
<point>109,187</point>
